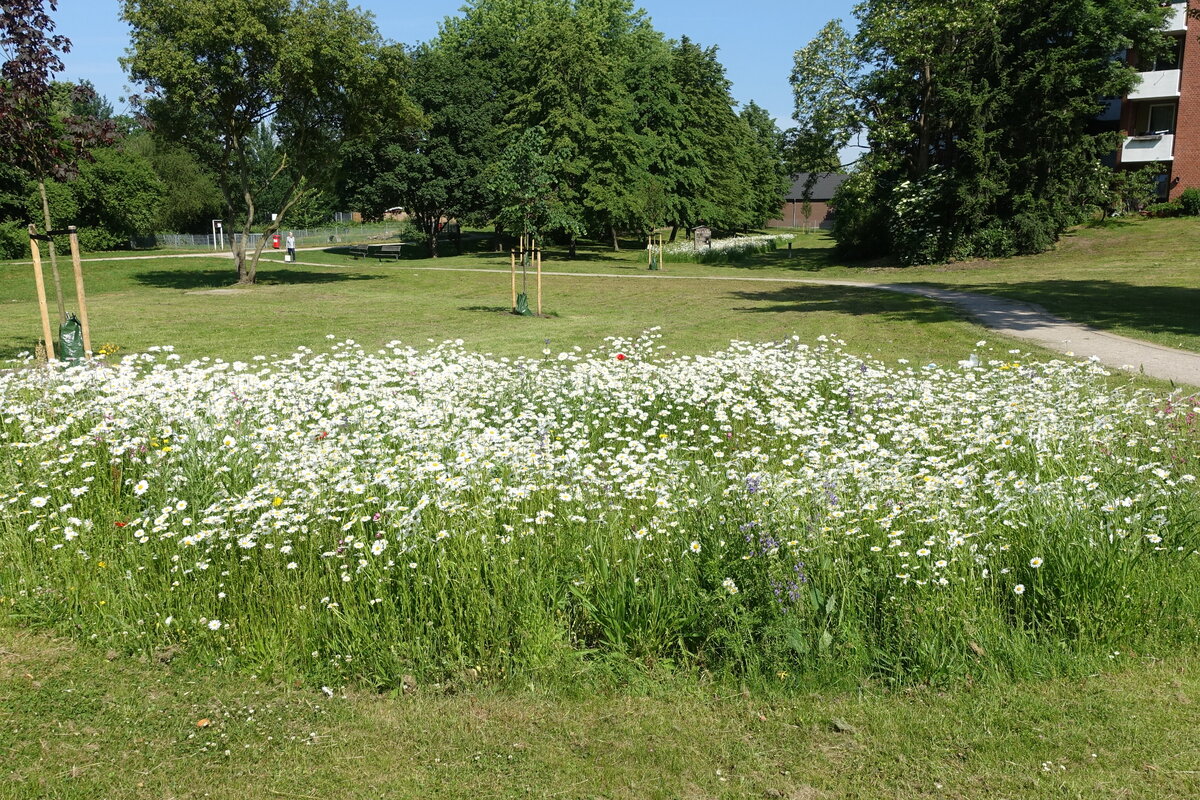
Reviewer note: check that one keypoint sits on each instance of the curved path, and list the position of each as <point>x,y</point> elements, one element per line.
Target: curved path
<point>1010,317</point>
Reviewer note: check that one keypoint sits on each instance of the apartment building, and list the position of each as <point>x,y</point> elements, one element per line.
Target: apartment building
<point>1160,119</point>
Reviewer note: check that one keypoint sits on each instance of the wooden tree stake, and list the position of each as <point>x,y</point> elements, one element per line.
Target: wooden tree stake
<point>512,266</point>
<point>41,293</point>
<point>79,295</point>
<point>538,256</point>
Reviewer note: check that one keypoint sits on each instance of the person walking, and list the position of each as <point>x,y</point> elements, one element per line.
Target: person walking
<point>291,246</point>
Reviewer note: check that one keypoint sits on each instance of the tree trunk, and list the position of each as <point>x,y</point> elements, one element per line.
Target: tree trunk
<point>247,269</point>
<point>58,293</point>
<point>433,237</point>
<point>674,233</point>
<point>925,123</point>
<point>615,242</point>
<point>571,252</point>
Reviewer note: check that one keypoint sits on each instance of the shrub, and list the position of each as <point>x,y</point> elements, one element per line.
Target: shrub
<point>14,240</point>
<point>861,219</point>
<point>920,227</point>
<point>994,241</point>
<point>1171,209</point>
<point>1189,202</point>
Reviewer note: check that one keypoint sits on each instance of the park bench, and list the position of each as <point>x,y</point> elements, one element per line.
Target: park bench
<point>382,251</point>
<point>379,251</point>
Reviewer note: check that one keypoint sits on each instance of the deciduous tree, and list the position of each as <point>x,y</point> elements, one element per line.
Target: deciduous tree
<point>215,70</point>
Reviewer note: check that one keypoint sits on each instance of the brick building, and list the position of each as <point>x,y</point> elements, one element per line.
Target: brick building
<point>1160,119</point>
<point>820,214</point>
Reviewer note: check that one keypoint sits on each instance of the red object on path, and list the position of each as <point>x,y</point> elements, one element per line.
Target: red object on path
<point>275,241</point>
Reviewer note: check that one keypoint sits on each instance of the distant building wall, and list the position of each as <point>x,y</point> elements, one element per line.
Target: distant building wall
<point>820,215</point>
<point>1185,167</point>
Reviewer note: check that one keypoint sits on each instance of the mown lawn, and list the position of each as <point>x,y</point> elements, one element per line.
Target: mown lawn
<point>189,303</point>
<point>1137,278</point>
<point>76,721</point>
<point>74,724</point>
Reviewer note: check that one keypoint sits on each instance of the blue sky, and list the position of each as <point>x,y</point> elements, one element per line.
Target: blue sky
<point>756,37</point>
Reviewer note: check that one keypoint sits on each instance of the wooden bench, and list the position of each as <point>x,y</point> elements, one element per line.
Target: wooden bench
<point>382,251</point>
<point>379,251</point>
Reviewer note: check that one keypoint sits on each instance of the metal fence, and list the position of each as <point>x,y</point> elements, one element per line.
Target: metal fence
<point>307,236</point>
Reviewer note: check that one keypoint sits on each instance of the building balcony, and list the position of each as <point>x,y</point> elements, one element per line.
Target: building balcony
<point>1157,85</point>
<point>1177,19</point>
<point>1144,149</point>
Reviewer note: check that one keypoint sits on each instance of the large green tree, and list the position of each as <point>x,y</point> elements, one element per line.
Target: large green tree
<point>644,129</point>
<point>215,70</point>
<point>191,199</point>
<point>435,169</point>
<point>977,116</point>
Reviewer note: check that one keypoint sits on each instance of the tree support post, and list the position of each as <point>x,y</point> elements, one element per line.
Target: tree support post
<point>41,292</point>
<point>79,294</point>
<point>538,256</point>
<point>512,268</point>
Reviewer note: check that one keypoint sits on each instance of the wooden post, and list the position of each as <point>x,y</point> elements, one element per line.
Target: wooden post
<point>512,268</point>
<point>538,256</point>
<point>41,293</point>
<point>83,315</point>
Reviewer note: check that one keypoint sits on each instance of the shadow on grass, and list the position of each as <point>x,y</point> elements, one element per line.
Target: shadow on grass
<point>225,278</point>
<point>1172,310</point>
<point>847,300</point>
<point>492,309</point>
<point>11,346</point>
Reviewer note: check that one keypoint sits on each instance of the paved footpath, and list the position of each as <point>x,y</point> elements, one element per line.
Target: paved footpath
<point>1010,317</point>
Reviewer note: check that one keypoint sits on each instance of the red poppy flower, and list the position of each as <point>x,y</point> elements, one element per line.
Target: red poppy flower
<point>620,356</point>
<point>120,524</point>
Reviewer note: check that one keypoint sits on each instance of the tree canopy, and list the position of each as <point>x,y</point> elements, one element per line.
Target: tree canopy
<point>215,70</point>
<point>644,129</point>
<point>978,117</point>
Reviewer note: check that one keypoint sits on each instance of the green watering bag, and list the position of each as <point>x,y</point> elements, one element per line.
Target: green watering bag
<point>70,339</point>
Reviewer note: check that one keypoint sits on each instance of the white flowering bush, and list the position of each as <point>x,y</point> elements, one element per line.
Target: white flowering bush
<point>769,509</point>
<point>720,250</point>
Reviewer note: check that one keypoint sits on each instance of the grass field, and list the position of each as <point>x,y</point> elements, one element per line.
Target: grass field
<point>115,719</point>
<point>189,303</point>
<point>77,726</point>
<point>1140,279</point>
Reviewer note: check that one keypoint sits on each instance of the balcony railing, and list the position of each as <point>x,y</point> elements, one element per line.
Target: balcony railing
<point>1151,147</point>
<point>1157,85</point>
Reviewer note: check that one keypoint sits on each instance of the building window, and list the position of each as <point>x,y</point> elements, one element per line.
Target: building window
<point>1161,118</point>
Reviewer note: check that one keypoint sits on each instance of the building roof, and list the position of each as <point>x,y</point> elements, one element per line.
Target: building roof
<point>826,184</point>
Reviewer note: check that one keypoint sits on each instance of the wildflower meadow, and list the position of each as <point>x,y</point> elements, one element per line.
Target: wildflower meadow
<point>779,511</point>
<point>732,248</point>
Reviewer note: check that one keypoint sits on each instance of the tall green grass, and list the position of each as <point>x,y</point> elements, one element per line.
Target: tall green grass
<point>771,513</point>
